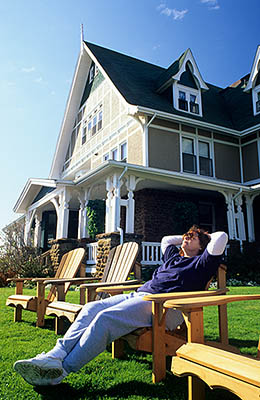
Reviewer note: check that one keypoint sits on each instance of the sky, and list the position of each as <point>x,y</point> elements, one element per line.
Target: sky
<point>39,48</point>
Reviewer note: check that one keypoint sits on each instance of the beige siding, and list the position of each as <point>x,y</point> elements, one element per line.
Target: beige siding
<point>227,162</point>
<point>250,162</point>
<point>135,148</point>
<point>164,149</point>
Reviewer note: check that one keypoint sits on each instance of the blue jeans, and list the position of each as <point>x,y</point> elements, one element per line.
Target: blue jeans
<point>98,324</point>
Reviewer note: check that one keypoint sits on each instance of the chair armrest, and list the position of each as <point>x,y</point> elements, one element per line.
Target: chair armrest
<point>106,284</point>
<point>121,288</point>
<point>19,279</point>
<point>162,297</point>
<point>67,280</point>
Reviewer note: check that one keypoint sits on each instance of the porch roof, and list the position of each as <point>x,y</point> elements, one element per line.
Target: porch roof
<point>146,177</point>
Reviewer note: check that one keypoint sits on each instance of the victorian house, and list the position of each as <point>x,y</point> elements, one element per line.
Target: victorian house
<point>144,138</point>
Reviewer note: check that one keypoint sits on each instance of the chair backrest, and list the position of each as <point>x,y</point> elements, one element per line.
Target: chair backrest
<point>120,263</point>
<point>68,268</point>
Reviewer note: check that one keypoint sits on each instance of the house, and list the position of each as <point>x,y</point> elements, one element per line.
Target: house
<point>145,138</point>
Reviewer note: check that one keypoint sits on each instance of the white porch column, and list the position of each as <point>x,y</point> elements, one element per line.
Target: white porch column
<point>37,229</point>
<point>83,218</point>
<point>63,219</point>
<point>130,210</point>
<point>239,216</point>
<point>108,219</point>
<point>27,227</point>
<point>115,203</point>
<point>230,215</point>
<point>250,217</point>
<point>26,236</point>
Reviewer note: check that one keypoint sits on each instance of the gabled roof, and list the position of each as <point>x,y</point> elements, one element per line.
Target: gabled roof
<point>254,71</point>
<point>137,81</point>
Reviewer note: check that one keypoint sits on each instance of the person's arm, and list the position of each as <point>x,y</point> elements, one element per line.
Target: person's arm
<point>217,244</point>
<point>170,240</point>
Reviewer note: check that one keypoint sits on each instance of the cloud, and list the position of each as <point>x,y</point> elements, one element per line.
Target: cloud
<point>172,12</point>
<point>156,46</point>
<point>213,4</point>
<point>28,70</point>
<point>38,80</point>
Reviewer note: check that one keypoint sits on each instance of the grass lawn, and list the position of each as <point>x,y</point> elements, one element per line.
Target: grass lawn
<point>104,378</point>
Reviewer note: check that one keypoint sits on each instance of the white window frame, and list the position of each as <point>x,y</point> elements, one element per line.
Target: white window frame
<point>196,139</point>
<point>115,149</point>
<point>120,151</point>
<point>91,73</point>
<point>177,87</point>
<point>255,92</point>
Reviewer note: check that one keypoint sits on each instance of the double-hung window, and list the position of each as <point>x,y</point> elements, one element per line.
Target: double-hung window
<point>196,156</point>
<point>205,162</point>
<point>189,163</point>
<point>123,152</point>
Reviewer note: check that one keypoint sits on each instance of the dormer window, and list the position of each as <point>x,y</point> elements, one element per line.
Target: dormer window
<point>183,104</point>
<point>189,100</point>
<point>257,104</point>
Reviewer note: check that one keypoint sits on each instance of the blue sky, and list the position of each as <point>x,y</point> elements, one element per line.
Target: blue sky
<point>39,46</point>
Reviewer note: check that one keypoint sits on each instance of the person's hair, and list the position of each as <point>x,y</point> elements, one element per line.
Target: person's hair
<point>203,236</point>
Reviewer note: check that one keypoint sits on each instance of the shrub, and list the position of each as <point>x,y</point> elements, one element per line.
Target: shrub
<point>17,259</point>
<point>96,217</point>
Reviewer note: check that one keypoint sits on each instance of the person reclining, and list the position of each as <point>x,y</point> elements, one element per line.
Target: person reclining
<point>101,322</point>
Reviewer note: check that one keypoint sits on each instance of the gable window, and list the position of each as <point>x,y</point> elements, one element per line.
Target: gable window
<point>194,107</point>
<point>196,156</point>
<point>187,99</point>
<point>123,152</point>
<point>84,135</point>
<point>91,73</point>
<point>100,119</point>
<point>115,154</point>
<point>94,125</point>
<point>257,105</point>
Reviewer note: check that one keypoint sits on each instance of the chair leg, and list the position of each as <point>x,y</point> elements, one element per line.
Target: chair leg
<point>18,313</point>
<point>196,388</point>
<point>59,326</point>
<point>117,348</point>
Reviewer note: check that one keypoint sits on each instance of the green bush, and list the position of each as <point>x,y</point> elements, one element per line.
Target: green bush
<point>244,266</point>
<point>96,217</point>
<point>18,259</point>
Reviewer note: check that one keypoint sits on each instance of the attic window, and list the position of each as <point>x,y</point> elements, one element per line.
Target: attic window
<point>192,105</point>
<point>93,72</point>
<point>257,105</point>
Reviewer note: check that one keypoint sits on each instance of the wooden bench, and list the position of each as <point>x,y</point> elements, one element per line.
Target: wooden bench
<point>218,369</point>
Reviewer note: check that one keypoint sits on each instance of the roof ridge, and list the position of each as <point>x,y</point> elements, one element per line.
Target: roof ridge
<point>123,54</point>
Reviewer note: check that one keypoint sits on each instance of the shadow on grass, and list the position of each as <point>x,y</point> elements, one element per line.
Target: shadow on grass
<point>171,388</point>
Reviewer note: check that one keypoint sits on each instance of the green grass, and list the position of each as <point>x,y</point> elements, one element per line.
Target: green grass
<point>104,378</point>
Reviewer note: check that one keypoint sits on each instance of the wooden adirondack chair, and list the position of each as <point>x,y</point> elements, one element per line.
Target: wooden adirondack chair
<point>159,341</point>
<point>70,263</point>
<point>120,263</point>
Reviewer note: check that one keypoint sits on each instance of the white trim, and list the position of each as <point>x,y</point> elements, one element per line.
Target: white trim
<point>200,124</point>
<point>256,98</point>
<point>189,57</point>
<point>254,71</point>
<point>177,87</point>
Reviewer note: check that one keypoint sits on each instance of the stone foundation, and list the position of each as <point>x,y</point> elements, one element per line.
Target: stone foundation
<point>61,246</point>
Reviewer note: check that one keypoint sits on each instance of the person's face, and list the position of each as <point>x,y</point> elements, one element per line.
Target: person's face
<point>191,244</point>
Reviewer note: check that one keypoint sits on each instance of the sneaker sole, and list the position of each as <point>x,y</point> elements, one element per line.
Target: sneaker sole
<point>36,375</point>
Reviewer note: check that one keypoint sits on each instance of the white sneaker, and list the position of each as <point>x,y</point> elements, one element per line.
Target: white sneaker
<point>40,370</point>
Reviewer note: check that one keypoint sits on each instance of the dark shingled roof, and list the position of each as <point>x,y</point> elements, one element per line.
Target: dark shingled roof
<point>138,82</point>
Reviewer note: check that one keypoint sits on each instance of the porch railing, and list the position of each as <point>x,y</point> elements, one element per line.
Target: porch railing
<point>151,254</point>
